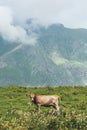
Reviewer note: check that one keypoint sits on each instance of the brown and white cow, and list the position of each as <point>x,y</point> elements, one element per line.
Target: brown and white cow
<point>45,100</point>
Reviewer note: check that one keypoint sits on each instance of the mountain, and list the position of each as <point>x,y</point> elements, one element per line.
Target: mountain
<point>59,57</point>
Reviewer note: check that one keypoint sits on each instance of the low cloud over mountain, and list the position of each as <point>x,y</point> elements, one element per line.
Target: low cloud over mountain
<point>11,32</point>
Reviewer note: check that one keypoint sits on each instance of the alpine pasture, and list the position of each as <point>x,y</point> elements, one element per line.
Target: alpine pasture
<point>17,112</point>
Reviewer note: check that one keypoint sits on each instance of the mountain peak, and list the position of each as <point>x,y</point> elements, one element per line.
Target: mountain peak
<point>56,25</point>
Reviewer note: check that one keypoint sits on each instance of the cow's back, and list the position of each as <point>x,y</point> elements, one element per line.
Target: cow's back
<point>46,99</point>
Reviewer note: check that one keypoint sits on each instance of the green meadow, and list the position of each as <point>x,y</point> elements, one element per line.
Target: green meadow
<point>17,112</point>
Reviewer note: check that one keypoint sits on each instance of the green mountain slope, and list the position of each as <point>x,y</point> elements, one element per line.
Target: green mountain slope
<point>58,58</point>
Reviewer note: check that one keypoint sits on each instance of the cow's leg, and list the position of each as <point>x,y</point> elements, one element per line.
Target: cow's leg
<point>57,109</point>
<point>38,107</point>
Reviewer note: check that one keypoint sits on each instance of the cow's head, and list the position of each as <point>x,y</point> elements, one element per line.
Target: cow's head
<point>32,96</point>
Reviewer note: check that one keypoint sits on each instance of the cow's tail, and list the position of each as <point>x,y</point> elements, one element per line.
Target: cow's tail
<point>60,103</point>
<point>59,100</point>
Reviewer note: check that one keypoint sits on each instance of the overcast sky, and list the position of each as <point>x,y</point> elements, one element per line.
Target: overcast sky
<point>71,13</point>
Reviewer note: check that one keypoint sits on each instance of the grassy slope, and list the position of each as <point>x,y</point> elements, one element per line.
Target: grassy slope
<point>17,112</point>
<point>15,97</point>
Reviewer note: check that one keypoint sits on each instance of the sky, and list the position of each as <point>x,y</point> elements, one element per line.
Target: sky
<point>70,13</point>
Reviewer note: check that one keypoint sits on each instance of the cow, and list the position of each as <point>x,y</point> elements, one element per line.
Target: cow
<point>45,100</point>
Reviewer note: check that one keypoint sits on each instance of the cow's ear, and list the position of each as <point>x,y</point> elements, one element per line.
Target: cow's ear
<point>28,95</point>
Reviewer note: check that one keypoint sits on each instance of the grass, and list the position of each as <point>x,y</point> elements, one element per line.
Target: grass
<point>18,113</point>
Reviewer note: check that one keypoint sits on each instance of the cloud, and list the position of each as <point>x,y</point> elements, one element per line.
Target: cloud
<point>71,13</point>
<point>11,32</point>
<point>46,11</point>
